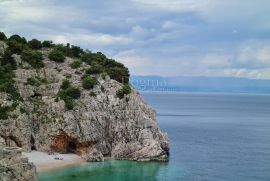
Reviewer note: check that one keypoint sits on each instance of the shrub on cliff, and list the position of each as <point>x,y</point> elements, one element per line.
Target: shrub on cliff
<point>8,61</point>
<point>119,73</point>
<point>125,90</point>
<point>73,92</point>
<point>7,84</point>
<point>95,69</point>
<point>101,64</point>
<point>34,58</point>
<point>65,84</point>
<point>76,64</point>
<point>35,44</point>
<point>4,110</point>
<point>70,51</point>
<point>75,51</point>
<point>2,36</point>
<point>89,82</point>
<point>68,94</point>
<point>47,44</point>
<point>16,47</point>
<point>7,67</point>
<point>57,56</point>
<point>33,82</point>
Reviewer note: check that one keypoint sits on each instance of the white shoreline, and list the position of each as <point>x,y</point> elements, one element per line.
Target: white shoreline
<point>45,162</point>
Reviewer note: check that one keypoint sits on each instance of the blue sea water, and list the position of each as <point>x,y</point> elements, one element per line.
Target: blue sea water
<point>213,137</point>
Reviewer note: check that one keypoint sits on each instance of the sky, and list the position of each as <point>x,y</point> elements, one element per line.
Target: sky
<point>155,37</point>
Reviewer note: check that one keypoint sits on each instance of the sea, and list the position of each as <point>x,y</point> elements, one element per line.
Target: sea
<point>213,137</point>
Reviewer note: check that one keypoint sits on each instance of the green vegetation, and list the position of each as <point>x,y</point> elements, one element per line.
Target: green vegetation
<point>43,80</point>
<point>7,61</point>
<point>34,58</point>
<point>68,94</point>
<point>100,64</point>
<point>76,64</point>
<point>33,82</point>
<point>2,36</point>
<point>125,90</point>
<point>73,51</point>
<point>35,44</point>
<point>89,82</point>
<point>17,39</point>
<point>65,84</point>
<point>4,110</point>
<point>57,56</point>
<point>7,84</point>
<point>16,47</point>
<point>95,69</point>
<point>47,44</point>
<point>72,92</point>
<point>23,110</point>
<point>37,81</point>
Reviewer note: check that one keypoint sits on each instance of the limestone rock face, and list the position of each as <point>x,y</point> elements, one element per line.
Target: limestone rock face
<point>15,167</point>
<point>100,125</point>
<point>93,155</point>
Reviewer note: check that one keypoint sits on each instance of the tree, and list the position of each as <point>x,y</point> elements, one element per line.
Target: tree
<point>57,56</point>
<point>35,44</point>
<point>2,36</point>
<point>75,51</point>
<point>120,74</point>
<point>47,44</point>
<point>18,39</point>
<point>15,47</point>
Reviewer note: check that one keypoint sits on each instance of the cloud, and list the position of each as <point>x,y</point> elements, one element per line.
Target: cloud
<point>163,37</point>
<point>168,25</point>
<point>175,5</point>
<point>252,55</point>
<point>253,74</point>
<point>90,39</point>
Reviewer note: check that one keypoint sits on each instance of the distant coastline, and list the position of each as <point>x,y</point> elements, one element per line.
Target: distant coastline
<point>200,84</point>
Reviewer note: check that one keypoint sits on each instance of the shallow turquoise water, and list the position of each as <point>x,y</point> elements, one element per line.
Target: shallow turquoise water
<point>213,137</point>
<point>113,171</point>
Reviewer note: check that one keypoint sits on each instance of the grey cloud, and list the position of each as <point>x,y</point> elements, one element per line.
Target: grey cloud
<point>177,37</point>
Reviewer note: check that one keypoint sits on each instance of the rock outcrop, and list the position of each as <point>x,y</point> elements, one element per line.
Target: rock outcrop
<point>15,167</point>
<point>100,125</point>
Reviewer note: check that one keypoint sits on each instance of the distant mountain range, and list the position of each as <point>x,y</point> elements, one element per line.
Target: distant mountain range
<point>200,84</point>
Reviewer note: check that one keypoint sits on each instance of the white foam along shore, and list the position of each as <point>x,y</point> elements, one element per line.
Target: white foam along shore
<point>46,162</point>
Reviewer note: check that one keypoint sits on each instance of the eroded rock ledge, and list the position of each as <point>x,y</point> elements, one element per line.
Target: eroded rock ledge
<point>15,167</point>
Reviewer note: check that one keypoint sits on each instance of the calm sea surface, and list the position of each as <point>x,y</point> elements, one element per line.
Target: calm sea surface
<point>213,137</point>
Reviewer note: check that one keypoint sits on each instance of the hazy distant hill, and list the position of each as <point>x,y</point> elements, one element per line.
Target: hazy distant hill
<point>200,84</point>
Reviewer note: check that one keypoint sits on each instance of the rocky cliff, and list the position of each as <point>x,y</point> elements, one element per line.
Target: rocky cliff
<point>15,167</point>
<point>100,124</point>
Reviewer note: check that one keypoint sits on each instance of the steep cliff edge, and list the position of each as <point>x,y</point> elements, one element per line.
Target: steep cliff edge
<point>99,124</point>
